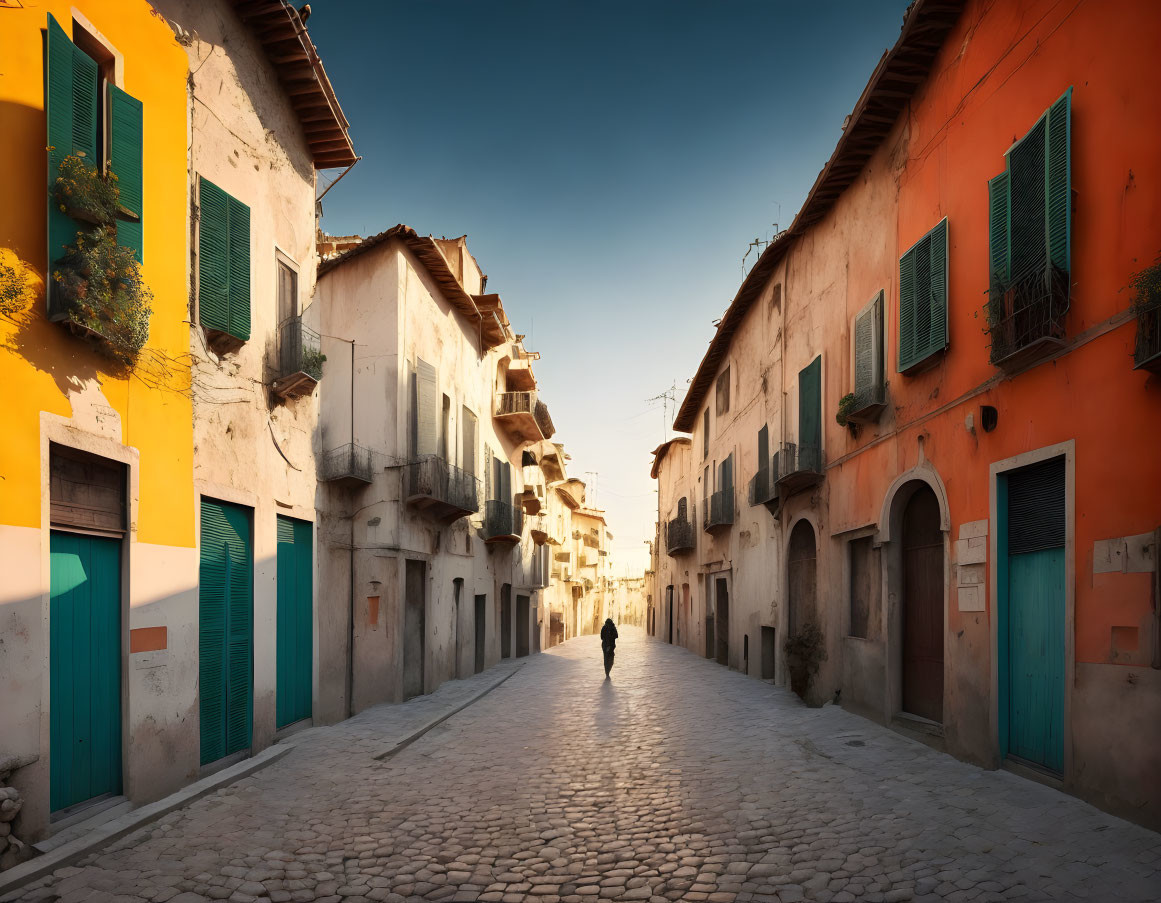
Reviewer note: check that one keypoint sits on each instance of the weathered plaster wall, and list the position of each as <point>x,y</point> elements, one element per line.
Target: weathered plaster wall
<point>61,390</point>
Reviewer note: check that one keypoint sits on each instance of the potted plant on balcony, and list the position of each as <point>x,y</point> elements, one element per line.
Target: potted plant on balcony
<point>102,293</point>
<point>85,194</point>
<point>847,407</point>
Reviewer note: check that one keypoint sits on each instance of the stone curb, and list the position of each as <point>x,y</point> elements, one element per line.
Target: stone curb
<point>69,853</point>
<point>400,745</point>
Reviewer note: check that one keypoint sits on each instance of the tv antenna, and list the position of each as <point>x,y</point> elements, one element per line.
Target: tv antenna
<point>667,398</point>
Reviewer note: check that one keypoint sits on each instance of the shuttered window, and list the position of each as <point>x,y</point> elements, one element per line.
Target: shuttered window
<point>923,299</point>
<point>1036,507</point>
<point>125,161</point>
<point>869,353</point>
<point>426,436</point>
<point>469,441</point>
<point>763,448</point>
<point>1030,202</point>
<point>705,434</point>
<point>223,262</point>
<point>810,408</point>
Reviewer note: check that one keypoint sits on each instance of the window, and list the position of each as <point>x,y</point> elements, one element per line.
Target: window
<point>776,297</point>
<point>763,449</point>
<point>682,505</point>
<point>445,443</point>
<point>1029,236</point>
<point>423,423</point>
<point>864,588</point>
<point>810,415</point>
<point>923,299</point>
<point>705,434</point>
<point>868,340</point>
<point>723,393</point>
<point>89,117</point>
<point>469,441</point>
<point>223,262</point>
<point>287,291</point>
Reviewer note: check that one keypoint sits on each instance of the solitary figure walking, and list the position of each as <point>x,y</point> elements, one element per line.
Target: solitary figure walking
<point>608,644</point>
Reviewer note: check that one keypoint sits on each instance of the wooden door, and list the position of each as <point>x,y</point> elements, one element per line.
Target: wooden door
<point>414,628</point>
<point>481,615</point>
<point>523,624</point>
<point>922,615</point>
<point>84,668</point>
<point>506,621</point>
<point>225,630</point>
<point>801,578</point>
<point>669,613</point>
<point>1032,615</point>
<point>722,627</point>
<point>295,622</point>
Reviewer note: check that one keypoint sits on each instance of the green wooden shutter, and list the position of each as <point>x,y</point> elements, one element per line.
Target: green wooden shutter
<point>923,298</point>
<point>869,351</point>
<point>1027,227</point>
<point>1058,179</point>
<point>937,296</point>
<point>125,160</point>
<point>295,634</point>
<point>239,257</point>
<point>763,448</point>
<point>225,635</point>
<point>999,214</point>
<point>810,406</point>
<point>213,257</point>
<point>907,310</point>
<point>71,114</point>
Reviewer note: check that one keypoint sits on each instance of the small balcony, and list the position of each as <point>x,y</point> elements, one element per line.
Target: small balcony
<point>764,488</point>
<point>1026,316</point>
<point>348,465</point>
<point>503,523</point>
<point>679,537</point>
<point>538,529</point>
<point>1147,354</point>
<point>524,416</point>
<point>869,402</point>
<point>440,490</point>
<point>300,359</point>
<point>719,511</point>
<point>797,467</point>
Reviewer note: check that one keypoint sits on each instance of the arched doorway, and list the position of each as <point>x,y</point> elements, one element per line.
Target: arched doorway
<point>801,578</point>
<point>922,606</point>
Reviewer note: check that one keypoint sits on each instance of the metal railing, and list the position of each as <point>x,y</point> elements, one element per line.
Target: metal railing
<point>347,462</point>
<point>543,420</point>
<point>1147,352</point>
<point>793,459</point>
<point>299,350</point>
<point>679,535</point>
<point>869,396</point>
<point>762,486</point>
<point>1028,308</point>
<point>435,478</point>
<point>502,519</point>
<point>526,403</point>
<point>719,509</point>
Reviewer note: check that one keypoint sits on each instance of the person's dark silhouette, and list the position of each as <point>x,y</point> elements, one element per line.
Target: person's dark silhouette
<point>608,643</point>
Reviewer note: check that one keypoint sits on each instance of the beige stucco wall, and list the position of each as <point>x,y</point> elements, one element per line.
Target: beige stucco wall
<point>250,447</point>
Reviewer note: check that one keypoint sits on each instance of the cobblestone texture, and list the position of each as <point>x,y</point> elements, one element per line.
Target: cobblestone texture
<point>676,780</point>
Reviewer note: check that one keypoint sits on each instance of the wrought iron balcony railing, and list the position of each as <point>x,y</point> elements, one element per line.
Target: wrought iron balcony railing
<point>1026,315</point>
<point>1147,354</point>
<point>440,488</point>
<point>348,463</point>
<point>679,536</point>
<point>300,359</point>
<point>525,414</point>
<point>797,466</point>
<point>502,522</point>
<point>719,510</point>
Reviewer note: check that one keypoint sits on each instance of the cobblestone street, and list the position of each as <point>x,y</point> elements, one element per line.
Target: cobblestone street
<point>677,779</point>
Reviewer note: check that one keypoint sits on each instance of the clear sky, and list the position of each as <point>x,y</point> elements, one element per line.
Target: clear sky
<point>610,162</point>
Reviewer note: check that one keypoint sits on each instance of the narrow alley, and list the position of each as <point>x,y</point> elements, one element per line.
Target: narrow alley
<point>676,779</point>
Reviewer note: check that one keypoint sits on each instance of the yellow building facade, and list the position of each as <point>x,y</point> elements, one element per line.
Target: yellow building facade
<point>97,538</point>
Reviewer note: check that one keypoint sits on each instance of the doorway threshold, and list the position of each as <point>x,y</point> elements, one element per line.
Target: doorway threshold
<point>83,817</point>
<point>1032,772</point>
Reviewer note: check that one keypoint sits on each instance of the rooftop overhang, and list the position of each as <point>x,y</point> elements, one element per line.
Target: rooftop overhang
<point>662,450</point>
<point>900,72</point>
<point>279,28</point>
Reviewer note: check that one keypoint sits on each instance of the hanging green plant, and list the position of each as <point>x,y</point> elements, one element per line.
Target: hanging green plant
<point>84,193</point>
<point>100,287</point>
<point>846,406</point>
<point>312,361</point>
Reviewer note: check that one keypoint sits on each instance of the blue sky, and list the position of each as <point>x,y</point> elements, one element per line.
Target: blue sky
<point>610,163</point>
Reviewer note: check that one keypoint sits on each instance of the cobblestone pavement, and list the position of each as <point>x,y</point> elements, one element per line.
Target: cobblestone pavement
<point>675,780</point>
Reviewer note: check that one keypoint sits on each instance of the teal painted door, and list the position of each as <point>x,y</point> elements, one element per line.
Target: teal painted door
<point>1034,615</point>
<point>226,630</point>
<point>84,668</point>
<point>295,621</point>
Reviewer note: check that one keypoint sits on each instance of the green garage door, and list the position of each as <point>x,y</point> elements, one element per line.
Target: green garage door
<point>226,630</point>
<point>295,616</point>
<point>84,668</point>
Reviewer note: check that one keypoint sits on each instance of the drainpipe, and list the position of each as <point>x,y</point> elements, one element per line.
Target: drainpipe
<point>351,566</point>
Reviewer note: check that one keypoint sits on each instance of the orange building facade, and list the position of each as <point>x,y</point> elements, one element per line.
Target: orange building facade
<point>977,545</point>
